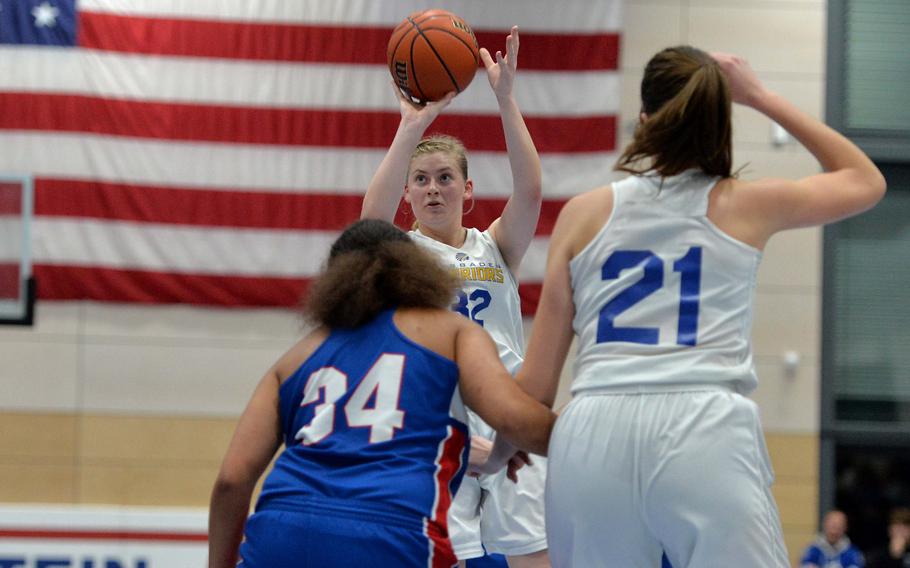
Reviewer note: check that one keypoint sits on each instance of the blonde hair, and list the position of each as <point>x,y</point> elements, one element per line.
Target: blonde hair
<point>442,143</point>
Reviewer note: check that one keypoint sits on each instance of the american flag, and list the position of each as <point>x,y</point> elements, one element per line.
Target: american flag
<point>209,151</point>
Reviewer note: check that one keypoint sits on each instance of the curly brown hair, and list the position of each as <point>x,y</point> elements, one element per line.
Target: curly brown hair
<point>373,266</point>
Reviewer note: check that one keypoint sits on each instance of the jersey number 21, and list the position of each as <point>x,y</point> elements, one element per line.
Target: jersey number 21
<point>652,279</point>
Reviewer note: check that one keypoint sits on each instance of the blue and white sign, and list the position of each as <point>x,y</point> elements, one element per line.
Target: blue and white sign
<point>102,537</point>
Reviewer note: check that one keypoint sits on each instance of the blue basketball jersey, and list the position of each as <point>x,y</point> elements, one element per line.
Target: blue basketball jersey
<point>374,428</point>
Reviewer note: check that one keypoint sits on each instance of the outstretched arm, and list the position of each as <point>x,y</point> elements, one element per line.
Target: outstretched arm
<point>489,390</point>
<point>515,228</point>
<point>850,184</point>
<point>384,192</point>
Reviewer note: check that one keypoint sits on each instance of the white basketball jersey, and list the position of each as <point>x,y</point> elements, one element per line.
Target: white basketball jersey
<point>489,292</point>
<point>663,298</point>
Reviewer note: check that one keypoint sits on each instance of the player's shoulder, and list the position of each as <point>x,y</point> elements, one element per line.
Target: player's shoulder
<point>294,357</point>
<point>439,316</point>
<point>591,206</point>
<point>429,325</point>
<point>581,219</point>
<point>753,194</point>
<point>597,197</point>
<point>432,328</point>
<point>752,201</point>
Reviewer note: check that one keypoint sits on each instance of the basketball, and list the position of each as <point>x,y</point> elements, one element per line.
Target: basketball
<point>432,53</point>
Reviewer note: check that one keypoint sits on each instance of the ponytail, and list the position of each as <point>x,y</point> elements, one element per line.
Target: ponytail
<point>687,101</point>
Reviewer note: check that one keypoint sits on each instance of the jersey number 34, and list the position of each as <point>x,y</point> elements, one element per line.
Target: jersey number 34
<point>652,279</point>
<point>382,385</point>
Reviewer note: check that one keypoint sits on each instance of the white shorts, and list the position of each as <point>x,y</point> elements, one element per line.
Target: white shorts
<point>688,473</point>
<point>492,512</point>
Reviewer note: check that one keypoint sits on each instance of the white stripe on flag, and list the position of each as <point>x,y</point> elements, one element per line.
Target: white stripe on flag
<point>197,250</point>
<point>281,85</point>
<point>202,250</point>
<point>10,239</point>
<point>534,264</point>
<point>249,167</point>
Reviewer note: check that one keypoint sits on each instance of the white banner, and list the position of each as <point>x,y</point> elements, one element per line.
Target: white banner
<point>102,537</point>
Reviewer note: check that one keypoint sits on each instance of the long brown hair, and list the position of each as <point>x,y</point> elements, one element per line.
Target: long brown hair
<point>372,266</point>
<point>686,98</point>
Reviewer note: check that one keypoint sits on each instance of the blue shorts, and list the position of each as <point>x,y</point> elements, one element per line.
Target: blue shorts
<point>316,539</point>
<point>488,561</point>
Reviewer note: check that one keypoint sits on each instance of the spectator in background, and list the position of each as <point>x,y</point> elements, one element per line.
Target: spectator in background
<point>897,553</point>
<point>832,548</point>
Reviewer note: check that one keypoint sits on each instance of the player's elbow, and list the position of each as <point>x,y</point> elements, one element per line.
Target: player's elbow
<point>224,490</point>
<point>233,482</point>
<point>857,191</point>
<point>870,187</point>
<point>878,186</point>
<point>534,190</point>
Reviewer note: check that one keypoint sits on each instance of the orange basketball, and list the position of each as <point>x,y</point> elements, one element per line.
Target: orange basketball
<point>432,53</point>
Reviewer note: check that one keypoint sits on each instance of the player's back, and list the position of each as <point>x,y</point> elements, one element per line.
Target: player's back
<point>373,427</point>
<point>663,298</point>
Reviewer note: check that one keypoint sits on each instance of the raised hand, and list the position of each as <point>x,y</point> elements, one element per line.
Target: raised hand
<point>745,86</point>
<point>501,73</point>
<point>420,114</point>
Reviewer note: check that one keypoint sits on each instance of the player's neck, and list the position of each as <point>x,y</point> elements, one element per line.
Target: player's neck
<point>453,236</point>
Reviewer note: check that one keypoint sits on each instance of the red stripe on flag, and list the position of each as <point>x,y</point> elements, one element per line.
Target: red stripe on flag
<point>10,197</point>
<point>558,52</point>
<point>530,297</point>
<point>235,208</point>
<point>67,534</point>
<point>197,207</point>
<point>321,44</point>
<point>9,281</point>
<point>62,282</point>
<point>294,127</point>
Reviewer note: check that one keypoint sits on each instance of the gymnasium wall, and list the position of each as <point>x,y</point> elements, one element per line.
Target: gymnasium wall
<point>128,405</point>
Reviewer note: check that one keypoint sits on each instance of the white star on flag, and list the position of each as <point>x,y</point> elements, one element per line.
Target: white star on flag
<point>45,15</point>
